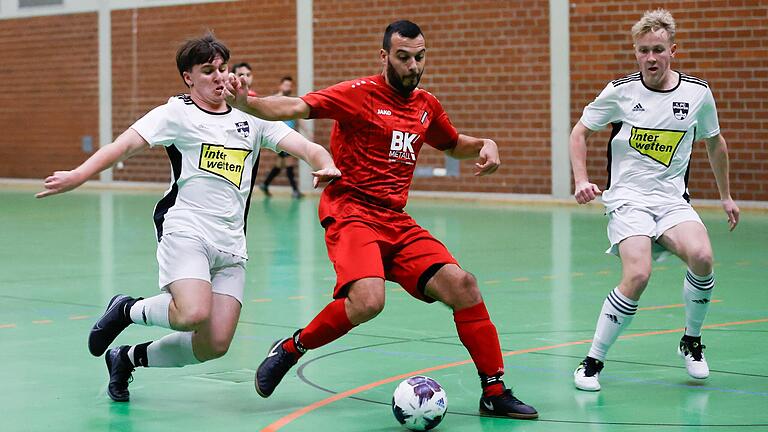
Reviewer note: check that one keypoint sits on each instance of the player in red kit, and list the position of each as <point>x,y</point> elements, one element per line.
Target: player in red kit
<point>382,122</point>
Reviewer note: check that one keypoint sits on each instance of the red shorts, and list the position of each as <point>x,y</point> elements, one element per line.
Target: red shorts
<point>392,247</point>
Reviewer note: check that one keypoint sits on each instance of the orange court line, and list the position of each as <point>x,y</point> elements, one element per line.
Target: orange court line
<point>280,423</point>
<point>79,317</point>
<point>679,305</point>
<point>46,321</point>
<point>7,325</point>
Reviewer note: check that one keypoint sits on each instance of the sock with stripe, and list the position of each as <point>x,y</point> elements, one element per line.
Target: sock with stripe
<point>173,350</point>
<point>330,324</point>
<point>152,311</point>
<point>616,314</point>
<point>697,293</point>
<point>479,336</point>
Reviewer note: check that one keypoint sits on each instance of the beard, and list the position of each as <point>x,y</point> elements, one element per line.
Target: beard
<point>397,82</point>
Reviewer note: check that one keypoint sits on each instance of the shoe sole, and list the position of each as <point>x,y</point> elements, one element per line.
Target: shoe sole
<point>487,413</point>
<point>680,353</point>
<point>586,389</point>
<point>108,359</point>
<point>95,351</point>
<point>256,376</point>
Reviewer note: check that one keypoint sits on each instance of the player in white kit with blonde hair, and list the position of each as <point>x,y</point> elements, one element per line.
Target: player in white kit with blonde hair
<point>657,114</point>
<point>201,220</point>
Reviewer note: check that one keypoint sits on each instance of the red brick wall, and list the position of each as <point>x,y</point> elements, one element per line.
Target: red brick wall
<point>722,42</point>
<point>262,33</point>
<point>48,93</point>
<point>488,63</point>
<point>486,66</point>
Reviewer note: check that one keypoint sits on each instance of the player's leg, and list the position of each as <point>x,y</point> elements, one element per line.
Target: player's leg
<point>618,310</point>
<point>179,256</point>
<point>425,268</point>
<point>185,276</point>
<point>358,297</point>
<point>290,171</point>
<point>689,241</point>
<point>274,172</point>
<point>458,290</point>
<point>187,311</point>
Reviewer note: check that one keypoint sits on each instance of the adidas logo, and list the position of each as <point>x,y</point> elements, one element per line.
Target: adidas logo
<point>701,301</point>
<point>614,319</point>
<point>638,108</point>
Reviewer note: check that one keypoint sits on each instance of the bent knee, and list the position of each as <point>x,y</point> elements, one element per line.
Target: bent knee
<point>637,280</point>
<point>370,307</point>
<point>463,292</point>
<point>192,318</point>
<point>701,261</point>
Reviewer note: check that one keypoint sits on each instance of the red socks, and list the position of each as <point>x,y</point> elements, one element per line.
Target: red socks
<point>478,334</point>
<point>330,324</point>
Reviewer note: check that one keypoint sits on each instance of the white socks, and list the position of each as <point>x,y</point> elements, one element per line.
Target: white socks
<point>618,311</point>
<point>697,292</point>
<point>173,350</point>
<point>152,311</point>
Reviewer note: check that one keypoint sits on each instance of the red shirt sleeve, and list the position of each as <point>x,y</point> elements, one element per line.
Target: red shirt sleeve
<point>441,133</point>
<point>339,102</point>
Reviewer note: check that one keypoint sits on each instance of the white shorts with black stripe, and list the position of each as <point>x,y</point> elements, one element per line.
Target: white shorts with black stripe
<point>184,255</point>
<point>630,220</point>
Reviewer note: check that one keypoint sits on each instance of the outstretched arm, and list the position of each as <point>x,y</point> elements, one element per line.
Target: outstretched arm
<point>267,108</point>
<point>314,154</point>
<point>717,150</point>
<point>125,146</point>
<point>584,191</point>
<point>485,150</point>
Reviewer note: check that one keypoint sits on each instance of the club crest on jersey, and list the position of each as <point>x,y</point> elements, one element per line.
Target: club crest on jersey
<point>680,110</point>
<point>401,147</point>
<point>657,144</point>
<point>228,163</point>
<point>243,128</point>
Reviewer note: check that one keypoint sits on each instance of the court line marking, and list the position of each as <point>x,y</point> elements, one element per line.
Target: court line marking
<point>7,325</point>
<point>280,423</point>
<point>44,321</point>
<point>679,305</point>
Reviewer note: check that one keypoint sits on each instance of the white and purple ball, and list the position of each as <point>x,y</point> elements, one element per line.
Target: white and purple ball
<point>419,403</point>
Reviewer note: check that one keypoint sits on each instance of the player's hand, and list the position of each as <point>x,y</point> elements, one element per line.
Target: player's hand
<point>732,210</point>
<point>236,91</point>
<point>60,182</point>
<point>586,192</point>
<point>325,175</point>
<point>489,159</point>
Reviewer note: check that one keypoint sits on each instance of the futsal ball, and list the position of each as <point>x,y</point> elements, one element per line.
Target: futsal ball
<point>419,403</point>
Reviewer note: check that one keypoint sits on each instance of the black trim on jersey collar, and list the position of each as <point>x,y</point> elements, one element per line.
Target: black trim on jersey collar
<point>229,109</point>
<point>679,79</point>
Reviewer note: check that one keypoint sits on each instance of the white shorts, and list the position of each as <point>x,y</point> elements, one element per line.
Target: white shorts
<point>183,255</point>
<point>629,220</point>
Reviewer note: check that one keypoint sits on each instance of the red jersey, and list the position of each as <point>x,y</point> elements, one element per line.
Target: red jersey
<point>376,139</point>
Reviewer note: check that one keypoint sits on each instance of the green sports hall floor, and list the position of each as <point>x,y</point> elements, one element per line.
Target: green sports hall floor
<point>541,269</point>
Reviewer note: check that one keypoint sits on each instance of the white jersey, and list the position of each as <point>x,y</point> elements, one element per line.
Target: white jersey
<point>214,158</point>
<point>652,138</point>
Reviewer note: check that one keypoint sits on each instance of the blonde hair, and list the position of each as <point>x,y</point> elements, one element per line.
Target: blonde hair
<point>659,19</point>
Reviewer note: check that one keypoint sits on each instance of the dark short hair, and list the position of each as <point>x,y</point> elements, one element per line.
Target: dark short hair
<point>199,51</point>
<point>286,78</point>
<point>241,65</point>
<point>404,28</point>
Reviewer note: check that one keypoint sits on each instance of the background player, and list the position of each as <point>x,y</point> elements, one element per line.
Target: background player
<point>657,115</point>
<point>382,121</point>
<point>200,221</point>
<point>244,70</point>
<point>284,161</point>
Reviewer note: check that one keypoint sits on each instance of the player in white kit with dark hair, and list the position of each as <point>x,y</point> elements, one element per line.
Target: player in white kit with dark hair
<point>201,220</point>
<point>657,114</point>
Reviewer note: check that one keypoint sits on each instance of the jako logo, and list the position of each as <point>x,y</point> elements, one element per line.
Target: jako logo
<point>401,147</point>
<point>383,112</point>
